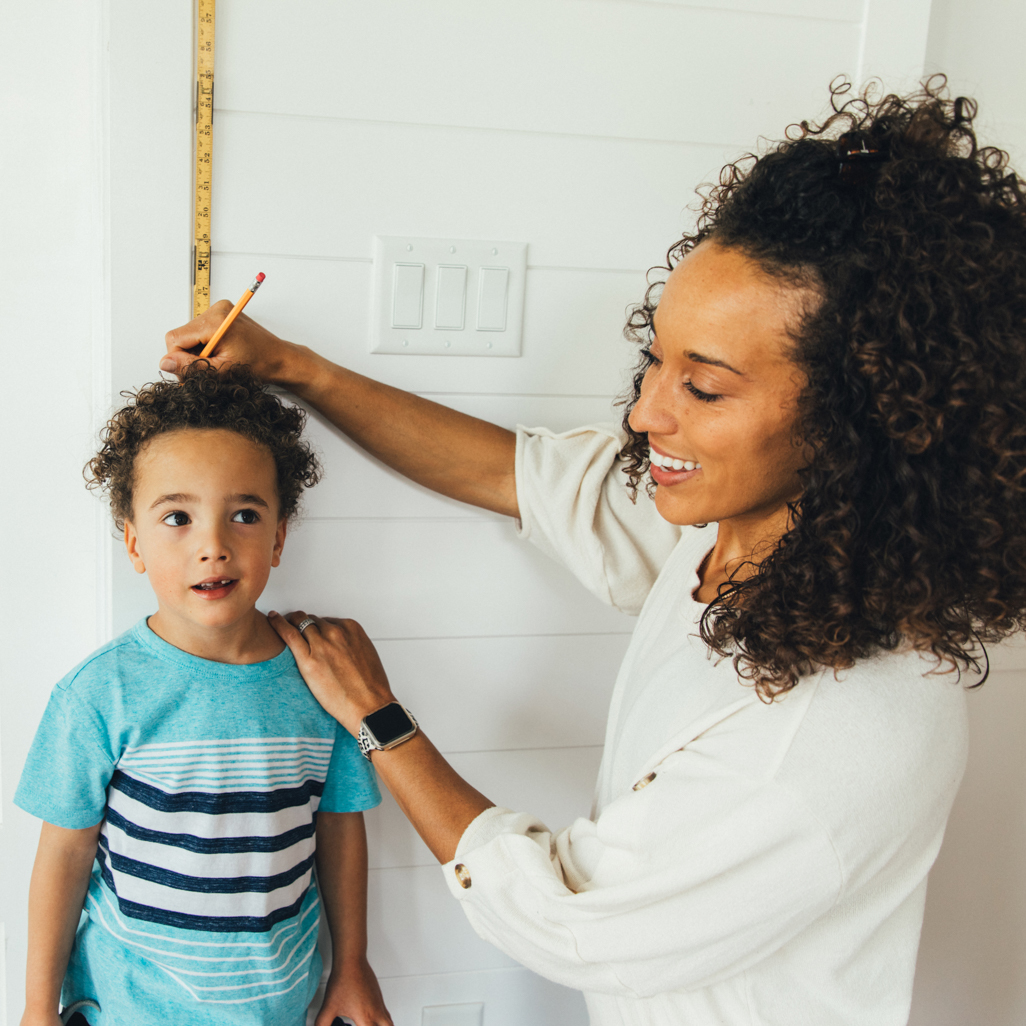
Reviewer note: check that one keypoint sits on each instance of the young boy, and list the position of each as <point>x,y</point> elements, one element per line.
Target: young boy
<point>184,772</point>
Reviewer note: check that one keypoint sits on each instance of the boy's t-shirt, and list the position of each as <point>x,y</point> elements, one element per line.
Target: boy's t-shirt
<point>202,907</point>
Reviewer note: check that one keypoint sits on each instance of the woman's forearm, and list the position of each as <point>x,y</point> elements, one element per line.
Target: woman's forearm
<point>449,452</point>
<point>465,458</point>
<point>60,878</point>
<point>434,797</point>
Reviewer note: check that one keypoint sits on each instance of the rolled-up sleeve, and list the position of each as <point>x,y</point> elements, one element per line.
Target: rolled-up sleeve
<point>677,885</point>
<point>574,505</point>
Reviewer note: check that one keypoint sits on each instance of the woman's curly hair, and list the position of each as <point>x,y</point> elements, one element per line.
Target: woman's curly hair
<point>233,400</point>
<point>911,528</point>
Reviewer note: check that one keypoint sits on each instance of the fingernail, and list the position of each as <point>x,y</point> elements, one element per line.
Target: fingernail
<point>273,612</point>
<point>167,364</point>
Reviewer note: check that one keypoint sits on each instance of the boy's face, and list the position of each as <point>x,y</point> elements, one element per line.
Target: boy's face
<point>205,524</point>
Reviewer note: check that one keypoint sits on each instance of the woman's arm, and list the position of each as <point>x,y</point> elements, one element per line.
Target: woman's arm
<point>449,452</point>
<point>341,667</point>
<point>342,882</point>
<point>60,878</point>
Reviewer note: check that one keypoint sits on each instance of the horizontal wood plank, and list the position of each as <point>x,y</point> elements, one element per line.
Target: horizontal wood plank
<point>652,71</point>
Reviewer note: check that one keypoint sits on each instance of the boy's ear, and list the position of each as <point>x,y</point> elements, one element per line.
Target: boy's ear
<point>132,547</point>
<point>279,542</point>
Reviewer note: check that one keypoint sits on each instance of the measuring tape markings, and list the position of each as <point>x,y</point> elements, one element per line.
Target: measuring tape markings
<point>204,155</point>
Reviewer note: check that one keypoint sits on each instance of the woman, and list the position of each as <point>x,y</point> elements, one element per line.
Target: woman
<point>835,376</point>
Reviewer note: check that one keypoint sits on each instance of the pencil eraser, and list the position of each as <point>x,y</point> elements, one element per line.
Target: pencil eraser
<point>261,276</point>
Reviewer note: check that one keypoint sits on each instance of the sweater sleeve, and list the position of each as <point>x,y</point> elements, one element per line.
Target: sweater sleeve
<point>574,505</point>
<point>679,884</point>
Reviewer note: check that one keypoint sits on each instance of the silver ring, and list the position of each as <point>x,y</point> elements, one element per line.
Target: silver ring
<point>303,624</point>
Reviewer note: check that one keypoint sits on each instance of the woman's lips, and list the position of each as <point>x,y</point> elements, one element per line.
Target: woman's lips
<point>672,477</point>
<point>210,593</point>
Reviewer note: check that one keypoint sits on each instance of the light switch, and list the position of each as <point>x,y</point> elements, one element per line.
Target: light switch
<point>491,298</point>
<point>453,1015</point>
<point>451,297</point>
<point>407,295</point>
<point>447,297</point>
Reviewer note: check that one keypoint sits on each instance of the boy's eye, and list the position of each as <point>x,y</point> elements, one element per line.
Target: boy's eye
<point>246,516</point>
<point>175,519</point>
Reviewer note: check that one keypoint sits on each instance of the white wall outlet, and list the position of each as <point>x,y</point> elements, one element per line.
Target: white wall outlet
<point>452,1015</point>
<point>447,297</point>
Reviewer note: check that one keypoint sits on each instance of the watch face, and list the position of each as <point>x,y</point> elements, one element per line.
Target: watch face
<point>389,723</point>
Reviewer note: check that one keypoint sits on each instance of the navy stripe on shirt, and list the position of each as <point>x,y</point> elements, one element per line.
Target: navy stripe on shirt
<point>216,804</point>
<point>213,845</point>
<point>208,884</point>
<point>212,924</point>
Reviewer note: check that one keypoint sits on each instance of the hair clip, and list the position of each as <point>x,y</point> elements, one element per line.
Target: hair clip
<point>856,160</point>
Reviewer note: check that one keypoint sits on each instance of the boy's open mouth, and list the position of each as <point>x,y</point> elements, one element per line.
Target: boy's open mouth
<point>214,587</point>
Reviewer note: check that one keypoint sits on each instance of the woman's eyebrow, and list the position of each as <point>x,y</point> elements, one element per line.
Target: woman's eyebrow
<point>699,358</point>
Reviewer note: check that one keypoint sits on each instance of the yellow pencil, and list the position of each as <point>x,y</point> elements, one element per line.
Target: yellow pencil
<point>236,310</point>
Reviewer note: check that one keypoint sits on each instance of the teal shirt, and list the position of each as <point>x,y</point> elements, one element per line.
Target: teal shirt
<point>207,777</point>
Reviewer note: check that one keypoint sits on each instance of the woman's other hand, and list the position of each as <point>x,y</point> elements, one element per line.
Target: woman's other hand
<point>339,664</point>
<point>272,359</point>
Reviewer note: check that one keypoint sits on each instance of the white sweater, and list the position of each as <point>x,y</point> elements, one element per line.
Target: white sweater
<point>746,863</point>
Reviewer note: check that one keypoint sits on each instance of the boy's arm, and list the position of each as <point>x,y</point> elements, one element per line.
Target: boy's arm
<point>60,878</point>
<point>342,881</point>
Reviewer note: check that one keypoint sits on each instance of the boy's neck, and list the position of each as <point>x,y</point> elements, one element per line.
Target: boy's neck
<point>248,640</point>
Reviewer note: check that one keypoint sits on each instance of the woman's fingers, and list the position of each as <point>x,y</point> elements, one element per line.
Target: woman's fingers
<point>246,341</point>
<point>339,664</point>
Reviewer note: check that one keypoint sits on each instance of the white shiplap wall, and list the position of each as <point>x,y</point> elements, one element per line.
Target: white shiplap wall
<point>578,126</point>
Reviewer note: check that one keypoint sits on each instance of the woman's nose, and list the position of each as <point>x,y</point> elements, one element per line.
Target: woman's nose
<point>653,412</point>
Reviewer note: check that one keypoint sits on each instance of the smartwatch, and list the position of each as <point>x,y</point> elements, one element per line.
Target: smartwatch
<point>386,728</point>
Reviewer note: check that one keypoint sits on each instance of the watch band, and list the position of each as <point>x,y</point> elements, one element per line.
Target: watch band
<point>368,745</point>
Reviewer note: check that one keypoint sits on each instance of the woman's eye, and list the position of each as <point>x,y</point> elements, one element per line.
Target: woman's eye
<point>176,519</point>
<point>650,356</point>
<point>246,516</point>
<point>705,397</point>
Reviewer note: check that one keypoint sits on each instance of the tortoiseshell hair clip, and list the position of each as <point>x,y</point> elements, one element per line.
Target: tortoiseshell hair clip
<point>856,160</point>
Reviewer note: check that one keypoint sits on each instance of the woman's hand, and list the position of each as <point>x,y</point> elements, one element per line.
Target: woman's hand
<point>272,359</point>
<point>339,664</point>
<point>353,991</point>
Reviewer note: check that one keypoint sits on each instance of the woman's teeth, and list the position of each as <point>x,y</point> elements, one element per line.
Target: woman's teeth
<point>211,585</point>
<point>669,463</point>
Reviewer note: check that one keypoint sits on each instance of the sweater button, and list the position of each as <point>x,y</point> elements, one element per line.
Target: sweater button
<point>463,875</point>
<point>644,782</point>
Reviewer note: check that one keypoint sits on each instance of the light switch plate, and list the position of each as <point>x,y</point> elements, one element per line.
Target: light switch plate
<point>452,1015</point>
<point>430,281</point>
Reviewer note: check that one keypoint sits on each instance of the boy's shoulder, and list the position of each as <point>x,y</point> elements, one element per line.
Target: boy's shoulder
<point>107,664</point>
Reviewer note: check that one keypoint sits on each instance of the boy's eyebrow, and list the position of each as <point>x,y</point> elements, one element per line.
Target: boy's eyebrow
<point>172,497</point>
<point>253,500</point>
<point>176,497</point>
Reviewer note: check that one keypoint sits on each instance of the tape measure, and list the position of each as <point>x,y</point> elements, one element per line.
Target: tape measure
<point>204,155</point>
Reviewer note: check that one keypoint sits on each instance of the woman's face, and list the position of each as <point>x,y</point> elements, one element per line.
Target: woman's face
<point>722,392</point>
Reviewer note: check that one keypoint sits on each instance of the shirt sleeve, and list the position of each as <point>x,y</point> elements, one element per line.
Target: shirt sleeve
<point>68,768</point>
<point>574,505</point>
<point>685,882</point>
<point>351,785</point>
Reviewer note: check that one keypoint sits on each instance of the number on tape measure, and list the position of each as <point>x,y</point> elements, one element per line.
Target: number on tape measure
<point>204,155</point>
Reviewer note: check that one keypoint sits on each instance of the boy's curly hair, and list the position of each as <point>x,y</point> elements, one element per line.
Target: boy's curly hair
<point>912,523</point>
<point>232,399</point>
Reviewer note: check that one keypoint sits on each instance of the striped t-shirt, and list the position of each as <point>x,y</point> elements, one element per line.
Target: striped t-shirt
<point>202,907</point>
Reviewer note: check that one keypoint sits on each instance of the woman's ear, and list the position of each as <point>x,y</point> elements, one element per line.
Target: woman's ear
<point>132,547</point>
<point>279,542</point>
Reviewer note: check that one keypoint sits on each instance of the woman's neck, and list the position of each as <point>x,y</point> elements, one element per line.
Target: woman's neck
<point>742,543</point>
